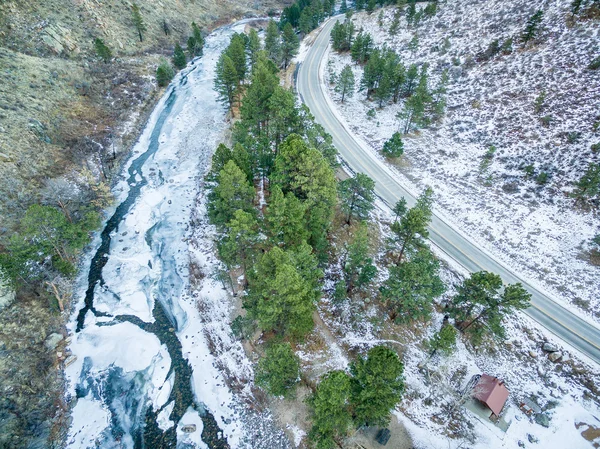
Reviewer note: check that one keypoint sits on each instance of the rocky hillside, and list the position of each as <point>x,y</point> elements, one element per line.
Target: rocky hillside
<point>67,118</point>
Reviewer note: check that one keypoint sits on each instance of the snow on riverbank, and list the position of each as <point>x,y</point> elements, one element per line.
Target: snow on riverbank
<point>121,368</point>
<point>530,227</point>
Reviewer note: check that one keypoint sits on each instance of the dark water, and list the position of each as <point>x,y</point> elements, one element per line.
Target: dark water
<point>119,390</point>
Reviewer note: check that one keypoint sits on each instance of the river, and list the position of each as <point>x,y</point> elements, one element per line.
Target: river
<point>152,347</point>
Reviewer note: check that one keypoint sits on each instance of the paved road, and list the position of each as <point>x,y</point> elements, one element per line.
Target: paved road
<point>573,330</point>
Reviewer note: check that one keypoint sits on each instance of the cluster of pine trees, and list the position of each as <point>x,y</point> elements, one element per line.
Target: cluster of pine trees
<point>386,79</point>
<point>306,15</point>
<point>273,197</point>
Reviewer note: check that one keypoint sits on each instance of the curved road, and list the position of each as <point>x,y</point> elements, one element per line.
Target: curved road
<point>578,333</point>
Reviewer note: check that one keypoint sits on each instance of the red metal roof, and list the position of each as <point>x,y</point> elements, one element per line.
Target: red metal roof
<point>492,392</point>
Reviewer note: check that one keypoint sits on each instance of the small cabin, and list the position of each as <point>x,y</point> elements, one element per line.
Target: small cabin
<point>492,392</point>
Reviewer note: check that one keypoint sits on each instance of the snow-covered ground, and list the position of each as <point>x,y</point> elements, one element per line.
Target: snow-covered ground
<point>531,227</point>
<point>122,368</point>
<point>431,409</point>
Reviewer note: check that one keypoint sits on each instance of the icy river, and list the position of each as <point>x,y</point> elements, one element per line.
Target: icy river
<point>155,357</point>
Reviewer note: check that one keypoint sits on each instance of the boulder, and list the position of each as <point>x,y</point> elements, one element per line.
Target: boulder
<point>549,347</point>
<point>532,354</point>
<point>52,341</point>
<point>188,428</point>
<point>555,356</point>
<point>531,438</point>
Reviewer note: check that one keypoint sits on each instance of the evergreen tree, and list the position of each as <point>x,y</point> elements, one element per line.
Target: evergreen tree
<point>331,415</point>
<point>357,196</point>
<point>343,7</point>
<point>444,340</point>
<point>242,159</point>
<point>394,147</point>
<point>237,244</point>
<point>195,43</point>
<point>373,72</point>
<point>532,28</point>
<point>102,50</point>
<point>412,226</point>
<point>285,218</point>
<point>283,291</point>
<point>283,115</point>
<point>588,186</point>
<point>279,370</point>
<point>289,44</point>
<point>358,267</point>
<point>226,80</point>
<point>399,209</point>
<point>371,4</point>
<point>413,113</point>
<point>221,156</point>
<point>480,304</point>
<point>164,74</point>
<point>395,23</point>
<point>377,386</point>
<point>273,42</point>
<point>179,60</point>
<point>362,47</point>
<point>305,172</point>
<point>345,86</point>
<point>411,11</point>
<point>254,47</point>
<point>411,80</point>
<point>232,192</point>
<point>359,4</point>
<point>412,286</point>
<point>137,20</point>
<point>236,50</point>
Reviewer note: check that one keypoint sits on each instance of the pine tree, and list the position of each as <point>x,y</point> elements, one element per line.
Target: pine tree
<point>358,267</point>
<point>282,294</point>
<point>236,50</point>
<point>357,195</point>
<point>305,172</point>
<point>359,4</point>
<point>226,80</point>
<point>195,43</point>
<point>480,304</point>
<point>412,286</point>
<point>412,226</point>
<point>237,244</point>
<point>273,42</point>
<point>285,217</point>
<point>371,4</point>
<point>362,47</point>
<point>343,7</point>
<point>164,74</point>
<point>588,186</point>
<point>331,415</point>
<point>532,28</point>
<point>254,47</point>
<point>444,340</point>
<point>102,50</point>
<point>232,192</point>
<point>279,370</point>
<point>377,386</point>
<point>345,86</point>
<point>394,147</point>
<point>179,60</point>
<point>137,20</point>
<point>289,44</point>
<point>395,23</point>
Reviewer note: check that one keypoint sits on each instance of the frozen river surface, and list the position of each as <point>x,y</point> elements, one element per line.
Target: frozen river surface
<point>144,374</point>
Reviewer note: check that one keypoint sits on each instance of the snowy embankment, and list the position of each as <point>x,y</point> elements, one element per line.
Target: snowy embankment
<point>533,228</point>
<point>123,368</point>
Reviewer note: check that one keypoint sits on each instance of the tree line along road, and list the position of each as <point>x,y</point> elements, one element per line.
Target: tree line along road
<point>578,333</point>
